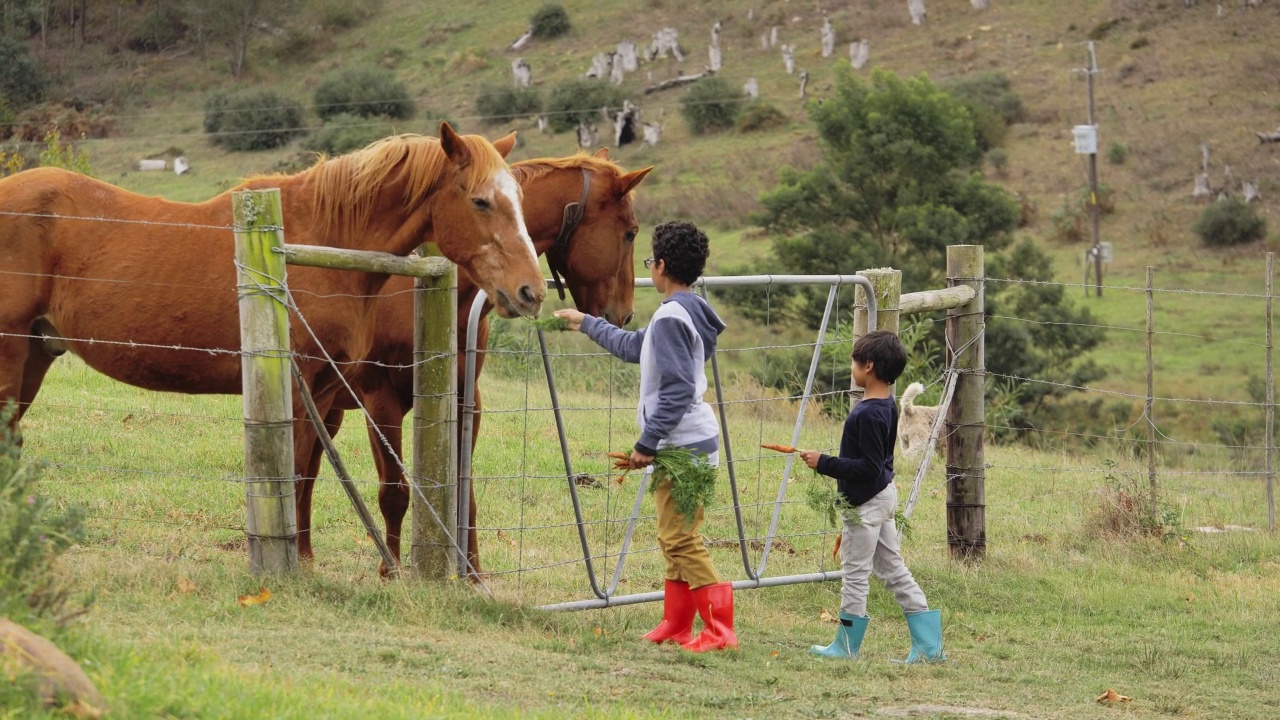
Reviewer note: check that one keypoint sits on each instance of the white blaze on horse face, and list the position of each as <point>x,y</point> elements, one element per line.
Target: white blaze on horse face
<point>507,187</point>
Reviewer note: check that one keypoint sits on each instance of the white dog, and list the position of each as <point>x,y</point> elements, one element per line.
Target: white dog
<point>915,422</point>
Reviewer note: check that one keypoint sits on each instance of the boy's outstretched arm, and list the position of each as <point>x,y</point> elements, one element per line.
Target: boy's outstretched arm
<point>622,344</point>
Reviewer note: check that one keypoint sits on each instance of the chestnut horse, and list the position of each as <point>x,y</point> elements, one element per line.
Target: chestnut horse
<point>144,289</point>
<point>596,259</point>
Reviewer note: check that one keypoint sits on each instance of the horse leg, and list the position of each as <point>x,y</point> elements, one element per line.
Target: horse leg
<point>39,360</point>
<point>386,418</point>
<point>474,571</point>
<point>306,449</point>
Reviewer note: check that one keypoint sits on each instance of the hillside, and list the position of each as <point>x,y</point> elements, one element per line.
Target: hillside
<point>1172,78</point>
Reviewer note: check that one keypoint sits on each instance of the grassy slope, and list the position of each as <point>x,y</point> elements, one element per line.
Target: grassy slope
<point>1055,615</point>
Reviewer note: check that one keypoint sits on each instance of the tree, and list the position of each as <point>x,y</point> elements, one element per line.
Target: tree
<point>896,185</point>
<point>231,23</point>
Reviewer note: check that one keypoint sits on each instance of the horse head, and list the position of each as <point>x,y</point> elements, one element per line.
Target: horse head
<point>478,222</point>
<point>585,203</point>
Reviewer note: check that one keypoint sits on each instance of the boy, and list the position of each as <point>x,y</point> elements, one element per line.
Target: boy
<point>864,476</point>
<point>671,352</point>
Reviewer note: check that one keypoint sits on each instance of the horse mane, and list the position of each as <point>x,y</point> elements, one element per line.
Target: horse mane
<point>346,187</point>
<point>532,169</point>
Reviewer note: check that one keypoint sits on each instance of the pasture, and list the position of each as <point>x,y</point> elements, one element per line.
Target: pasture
<point>1055,615</point>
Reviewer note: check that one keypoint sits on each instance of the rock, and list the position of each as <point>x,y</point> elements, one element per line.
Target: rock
<point>59,680</point>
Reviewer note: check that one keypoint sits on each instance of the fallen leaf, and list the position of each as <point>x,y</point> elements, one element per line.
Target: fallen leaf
<point>827,617</point>
<point>251,600</point>
<point>1111,696</point>
<point>1191,597</point>
<point>185,586</point>
<point>775,653</point>
<point>506,539</point>
<point>598,631</point>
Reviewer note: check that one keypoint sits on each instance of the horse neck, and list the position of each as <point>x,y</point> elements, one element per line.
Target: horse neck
<point>545,200</point>
<point>390,227</point>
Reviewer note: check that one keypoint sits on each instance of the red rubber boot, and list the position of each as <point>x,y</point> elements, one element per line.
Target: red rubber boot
<point>677,615</point>
<point>715,606</point>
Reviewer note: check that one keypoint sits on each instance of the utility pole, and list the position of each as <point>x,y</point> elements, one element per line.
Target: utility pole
<point>1096,252</point>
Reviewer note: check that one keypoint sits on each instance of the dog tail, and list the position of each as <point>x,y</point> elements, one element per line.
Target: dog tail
<point>909,397</point>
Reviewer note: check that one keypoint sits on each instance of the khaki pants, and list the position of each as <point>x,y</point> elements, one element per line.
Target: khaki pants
<point>871,546</point>
<point>687,558</point>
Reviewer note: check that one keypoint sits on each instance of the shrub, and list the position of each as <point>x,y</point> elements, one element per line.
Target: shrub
<point>366,91</point>
<point>254,120</point>
<point>502,105</point>
<point>33,533</point>
<point>1067,222</point>
<point>760,115</point>
<point>64,155</point>
<point>580,100</point>
<point>1117,154</point>
<point>999,160</point>
<point>22,80</point>
<point>712,105</point>
<point>551,20</point>
<point>346,132</point>
<point>992,103</point>
<point>160,29</point>
<point>1230,222</point>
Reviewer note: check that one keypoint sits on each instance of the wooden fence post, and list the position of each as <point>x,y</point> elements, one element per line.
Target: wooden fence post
<point>435,448</point>
<point>1149,409</point>
<point>966,416</point>
<point>271,523</point>
<point>888,287</point>
<point>1271,403</point>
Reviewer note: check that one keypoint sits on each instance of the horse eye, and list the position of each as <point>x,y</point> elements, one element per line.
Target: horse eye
<point>630,236</point>
<point>480,203</point>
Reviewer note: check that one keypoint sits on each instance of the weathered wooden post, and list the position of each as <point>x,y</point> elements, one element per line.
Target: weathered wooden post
<point>434,485</point>
<point>888,285</point>
<point>966,416</point>
<point>271,522</point>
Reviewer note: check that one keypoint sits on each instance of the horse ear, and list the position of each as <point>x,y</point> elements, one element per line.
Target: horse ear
<point>454,146</point>
<point>505,145</point>
<point>602,153</point>
<point>628,182</point>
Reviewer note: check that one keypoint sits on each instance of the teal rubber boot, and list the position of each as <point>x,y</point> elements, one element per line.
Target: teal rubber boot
<point>926,637</point>
<point>848,638</point>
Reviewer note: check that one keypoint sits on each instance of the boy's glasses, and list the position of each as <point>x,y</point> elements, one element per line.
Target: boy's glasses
<point>649,263</point>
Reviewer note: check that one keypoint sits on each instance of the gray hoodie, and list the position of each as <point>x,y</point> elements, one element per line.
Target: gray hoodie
<point>671,352</point>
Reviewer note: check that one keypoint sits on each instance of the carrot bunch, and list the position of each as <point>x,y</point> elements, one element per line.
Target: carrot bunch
<point>779,448</point>
<point>621,461</point>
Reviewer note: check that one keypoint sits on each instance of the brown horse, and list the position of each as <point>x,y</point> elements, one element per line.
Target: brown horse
<point>144,289</point>
<point>596,260</point>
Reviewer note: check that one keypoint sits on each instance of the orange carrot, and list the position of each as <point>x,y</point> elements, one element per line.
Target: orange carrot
<point>835,552</point>
<point>620,456</point>
<point>779,448</point>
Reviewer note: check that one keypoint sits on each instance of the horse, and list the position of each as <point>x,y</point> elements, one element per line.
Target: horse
<point>591,244</point>
<point>143,289</point>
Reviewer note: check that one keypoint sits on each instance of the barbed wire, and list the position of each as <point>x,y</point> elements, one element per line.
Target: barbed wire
<point>1131,329</point>
<point>1121,393</point>
<point>1181,291</point>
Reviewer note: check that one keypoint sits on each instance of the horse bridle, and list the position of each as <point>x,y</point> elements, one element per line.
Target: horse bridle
<point>573,213</point>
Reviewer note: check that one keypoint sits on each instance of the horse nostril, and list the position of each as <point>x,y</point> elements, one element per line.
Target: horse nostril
<point>526,295</point>
<point>627,320</point>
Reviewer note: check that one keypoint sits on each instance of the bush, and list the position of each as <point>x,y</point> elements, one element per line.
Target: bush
<point>33,533</point>
<point>580,100</point>
<point>993,105</point>
<point>551,20</point>
<point>366,91</point>
<point>346,132</point>
<point>760,115</point>
<point>1117,154</point>
<point>254,120</point>
<point>999,160</point>
<point>502,105</point>
<point>712,105</point>
<point>1230,222</point>
<point>160,29</point>
<point>22,80</point>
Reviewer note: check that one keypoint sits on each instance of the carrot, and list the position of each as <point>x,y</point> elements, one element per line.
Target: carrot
<point>620,456</point>
<point>779,448</point>
<point>835,552</point>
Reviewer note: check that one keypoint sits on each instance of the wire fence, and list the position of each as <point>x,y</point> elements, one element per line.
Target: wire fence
<point>157,470</point>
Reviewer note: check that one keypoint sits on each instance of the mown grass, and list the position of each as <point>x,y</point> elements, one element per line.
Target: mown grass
<point>1054,615</point>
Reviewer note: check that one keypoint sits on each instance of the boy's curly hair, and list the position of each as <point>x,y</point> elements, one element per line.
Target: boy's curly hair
<point>683,249</point>
<point>883,348</point>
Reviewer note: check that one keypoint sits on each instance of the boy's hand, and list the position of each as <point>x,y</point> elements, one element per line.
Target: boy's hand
<point>571,316</point>
<point>810,458</point>
<point>640,460</point>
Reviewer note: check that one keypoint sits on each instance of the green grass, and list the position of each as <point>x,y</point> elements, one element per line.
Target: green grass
<point>1052,617</point>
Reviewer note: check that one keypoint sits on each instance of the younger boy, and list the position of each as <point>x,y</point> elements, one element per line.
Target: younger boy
<point>671,352</point>
<point>864,477</point>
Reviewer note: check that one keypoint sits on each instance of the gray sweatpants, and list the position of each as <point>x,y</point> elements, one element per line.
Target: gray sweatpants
<point>871,545</point>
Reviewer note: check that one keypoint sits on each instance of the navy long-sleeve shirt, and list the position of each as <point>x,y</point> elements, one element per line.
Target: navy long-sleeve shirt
<point>865,464</point>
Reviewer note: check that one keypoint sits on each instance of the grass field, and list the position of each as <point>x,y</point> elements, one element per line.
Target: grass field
<point>1056,614</point>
